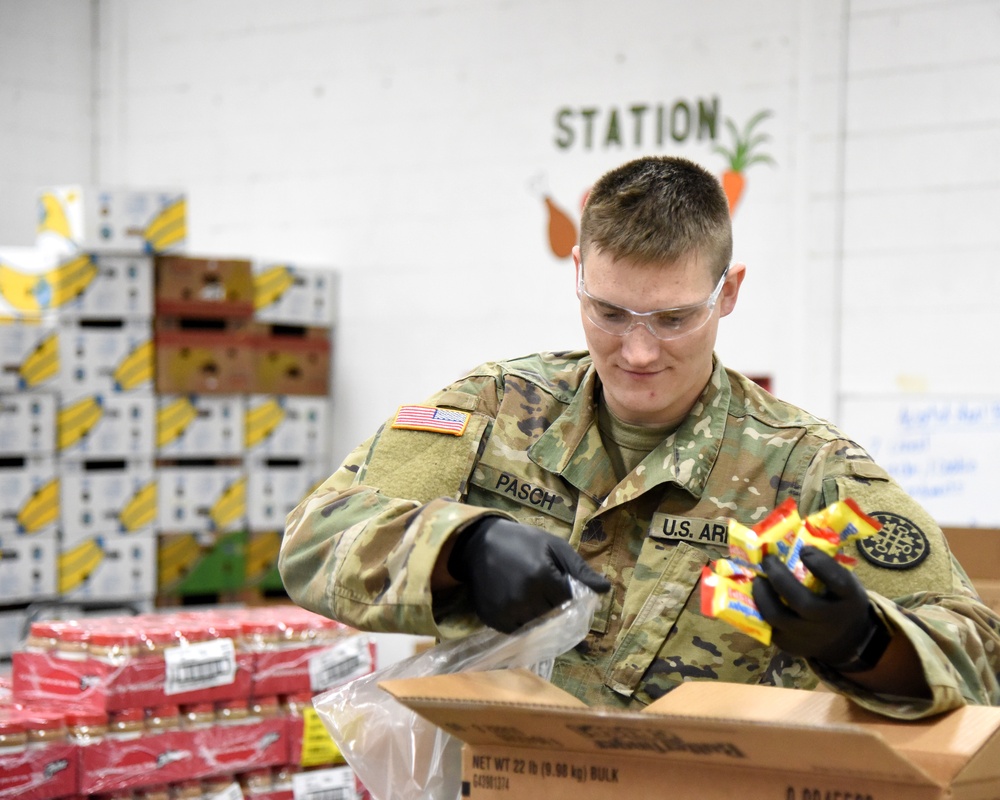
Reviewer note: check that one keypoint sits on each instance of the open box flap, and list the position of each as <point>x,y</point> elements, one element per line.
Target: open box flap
<point>964,741</point>
<point>708,722</point>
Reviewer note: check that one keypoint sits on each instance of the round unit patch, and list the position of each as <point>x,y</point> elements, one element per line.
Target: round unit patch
<point>900,544</point>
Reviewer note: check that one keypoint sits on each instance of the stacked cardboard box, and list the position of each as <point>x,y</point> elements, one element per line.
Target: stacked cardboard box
<point>77,393</point>
<point>188,704</point>
<point>243,379</point>
<point>160,413</point>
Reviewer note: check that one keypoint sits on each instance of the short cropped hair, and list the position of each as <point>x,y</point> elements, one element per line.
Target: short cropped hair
<point>658,209</point>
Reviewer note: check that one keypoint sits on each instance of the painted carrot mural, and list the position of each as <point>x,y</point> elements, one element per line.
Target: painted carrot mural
<point>562,232</point>
<point>742,155</point>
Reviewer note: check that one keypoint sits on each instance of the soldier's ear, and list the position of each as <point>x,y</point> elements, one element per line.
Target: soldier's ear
<point>731,288</point>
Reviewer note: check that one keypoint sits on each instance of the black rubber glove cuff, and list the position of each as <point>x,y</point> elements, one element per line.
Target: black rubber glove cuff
<point>869,652</point>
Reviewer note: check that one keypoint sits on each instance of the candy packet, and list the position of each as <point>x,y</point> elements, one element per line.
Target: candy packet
<point>726,584</point>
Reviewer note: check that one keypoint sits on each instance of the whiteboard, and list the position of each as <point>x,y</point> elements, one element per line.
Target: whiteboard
<point>944,451</point>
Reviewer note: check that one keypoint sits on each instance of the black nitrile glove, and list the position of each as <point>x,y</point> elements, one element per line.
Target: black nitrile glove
<point>836,627</point>
<point>515,573</point>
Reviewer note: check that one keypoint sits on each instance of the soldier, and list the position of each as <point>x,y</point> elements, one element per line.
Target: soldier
<point>621,466</point>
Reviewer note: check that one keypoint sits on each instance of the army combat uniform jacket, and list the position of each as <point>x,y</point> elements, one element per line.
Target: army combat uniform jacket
<point>520,439</point>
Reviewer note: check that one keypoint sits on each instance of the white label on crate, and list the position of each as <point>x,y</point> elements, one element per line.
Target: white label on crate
<point>199,666</point>
<point>336,783</point>
<point>340,663</point>
<point>231,792</point>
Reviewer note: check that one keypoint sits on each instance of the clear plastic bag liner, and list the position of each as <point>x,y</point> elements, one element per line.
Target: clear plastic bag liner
<point>397,754</point>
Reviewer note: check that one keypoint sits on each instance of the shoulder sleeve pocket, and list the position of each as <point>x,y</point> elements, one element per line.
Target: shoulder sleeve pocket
<point>909,553</point>
<point>424,465</point>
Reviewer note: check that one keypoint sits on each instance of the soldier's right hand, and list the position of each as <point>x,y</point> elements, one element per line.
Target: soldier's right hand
<point>515,573</point>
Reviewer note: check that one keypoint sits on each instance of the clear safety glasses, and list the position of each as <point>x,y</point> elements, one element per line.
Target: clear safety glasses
<point>667,323</point>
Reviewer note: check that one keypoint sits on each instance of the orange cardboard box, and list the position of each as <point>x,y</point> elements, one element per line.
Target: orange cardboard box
<point>203,359</point>
<point>292,359</point>
<point>523,737</point>
<point>204,287</point>
<point>978,551</point>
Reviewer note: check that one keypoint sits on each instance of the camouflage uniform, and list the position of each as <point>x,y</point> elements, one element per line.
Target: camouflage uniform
<point>363,546</point>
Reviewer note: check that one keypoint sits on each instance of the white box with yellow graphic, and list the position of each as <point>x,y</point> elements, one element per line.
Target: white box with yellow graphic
<point>125,220</point>
<point>293,294</point>
<point>29,494</point>
<point>197,498</point>
<point>275,487</point>
<point>107,426</point>
<point>35,282</point>
<point>27,281</point>
<point>101,496</point>
<point>109,566</point>
<point>105,357</point>
<point>29,354</point>
<point>199,425</point>
<point>27,424</point>
<point>28,566</point>
<point>293,426</point>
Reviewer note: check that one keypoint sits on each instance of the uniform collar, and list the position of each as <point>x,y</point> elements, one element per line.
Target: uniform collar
<point>572,447</point>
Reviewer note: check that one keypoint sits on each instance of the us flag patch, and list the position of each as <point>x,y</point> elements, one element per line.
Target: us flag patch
<point>428,418</point>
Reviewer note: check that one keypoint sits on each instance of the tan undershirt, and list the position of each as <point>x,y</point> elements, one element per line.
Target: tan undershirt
<point>627,445</point>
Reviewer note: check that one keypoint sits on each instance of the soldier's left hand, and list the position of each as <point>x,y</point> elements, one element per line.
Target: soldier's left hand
<point>830,626</point>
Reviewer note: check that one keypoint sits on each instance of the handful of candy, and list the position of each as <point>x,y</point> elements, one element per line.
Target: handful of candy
<point>726,584</point>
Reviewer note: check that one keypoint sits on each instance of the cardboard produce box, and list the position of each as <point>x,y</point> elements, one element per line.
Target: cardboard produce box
<point>291,360</point>
<point>978,551</point>
<point>204,287</point>
<point>526,738</point>
<point>124,219</point>
<point>29,353</point>
<point>294,294</point>
<point>206,357</point>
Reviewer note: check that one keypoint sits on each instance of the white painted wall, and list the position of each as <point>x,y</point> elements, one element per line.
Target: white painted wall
<point>46,119</point>
<point>408,143</point>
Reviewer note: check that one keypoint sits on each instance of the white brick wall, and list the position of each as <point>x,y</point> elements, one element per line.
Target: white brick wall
<point>408,143</point>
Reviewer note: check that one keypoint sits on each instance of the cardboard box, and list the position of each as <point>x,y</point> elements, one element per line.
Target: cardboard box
<point>262,560</point>
<point>29,495</point>
<point>13,627</point>
<point>204,287</point>
<point>28,566</point>
<point>27,424</point>
<point>113,496</point>
<point>122,287</point>
<point>199,425</point>
<point>201,563</point>
<point>37,282</point>
<point>126,220</point>
<point>109,567</point>
<point>291,360</point>
<point>104,357</point>
<point>288,426</point>
<point>978,551</point>
<point>202,499</point>
<point>294,294</point>
<point>29,284</point>
<point>711,740</point>
<point>276,486</point>
<point>203,357</point>
<point>29,354</point>
<point>107,426</point>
